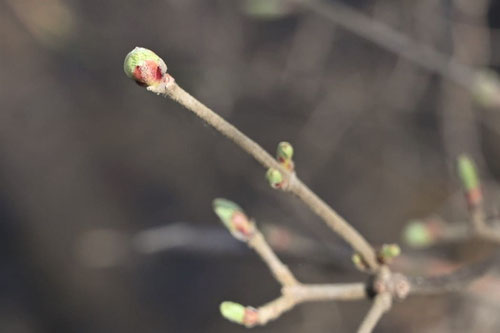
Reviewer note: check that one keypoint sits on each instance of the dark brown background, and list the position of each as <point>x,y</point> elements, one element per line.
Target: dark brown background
<point>88,159</point>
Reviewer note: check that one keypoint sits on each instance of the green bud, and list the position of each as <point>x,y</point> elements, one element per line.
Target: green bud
<point>390,251</point>
<point>284,151</point>
<point>356,259</point>
<point>274,177</point>
<point>225,210</point>
<point>468,173</point>
<point>234,219</point>
<point>233,311</point>
<point>417,234</point>
<point>144,66</point>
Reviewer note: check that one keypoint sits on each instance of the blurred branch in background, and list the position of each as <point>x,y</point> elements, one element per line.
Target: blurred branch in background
<point>460,118</point>
<point>297,248</point>
<point>482,84</point>
<point>51,23</point>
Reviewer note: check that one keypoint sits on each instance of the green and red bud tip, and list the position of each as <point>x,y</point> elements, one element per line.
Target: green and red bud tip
<point>242,227</point>
<point>284,151</point>
<point>225,210</point>
<point>468,173</point>
<point>275,178</point>
<point>390,251</point>
<point>234,218</point>
<point>144,66</point>
<point>417,234</point>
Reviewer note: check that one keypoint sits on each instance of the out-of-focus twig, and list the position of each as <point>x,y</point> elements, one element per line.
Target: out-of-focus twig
<point>453,281</point>
<point>483,84</point>
<point>435,230</point>
<point>381,305</point>
<point>474,197</point>
<point>432,231</point>
<point>391,40</point>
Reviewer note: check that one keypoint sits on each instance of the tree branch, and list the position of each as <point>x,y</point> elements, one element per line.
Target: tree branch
<point>168,87</point>
<point>381,305</point>
<point>453,281</point>
<point>280,271</point>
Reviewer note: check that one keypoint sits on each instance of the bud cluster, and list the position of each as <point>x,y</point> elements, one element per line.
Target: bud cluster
<point>284,154</point>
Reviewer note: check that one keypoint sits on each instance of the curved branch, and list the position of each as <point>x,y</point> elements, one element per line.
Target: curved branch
<point>168,87</point>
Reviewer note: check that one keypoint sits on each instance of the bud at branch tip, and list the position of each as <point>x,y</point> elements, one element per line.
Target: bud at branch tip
<point>144,67</point>
<point>468,173</point>
<point>234,218</point>
<point>233,312</point>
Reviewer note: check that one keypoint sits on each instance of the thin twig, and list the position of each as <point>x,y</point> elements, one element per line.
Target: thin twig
<point>477,218</point>
<point>274,309</point>
<point>328,292</point>
<point>280,271</point>
<point>292,296</point>
<point>171,89</point>
<point>439,231</point>
<point>381,305</point>
<point>489,234</point>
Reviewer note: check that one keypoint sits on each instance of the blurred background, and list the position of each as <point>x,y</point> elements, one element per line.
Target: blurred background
<point>105,189</point>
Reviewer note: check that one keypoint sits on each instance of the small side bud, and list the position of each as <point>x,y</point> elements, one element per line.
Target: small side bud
<point>233,312</point>
<point>388,252</point>
<point>358,261</point>
<point>144,66</point>
<point>284,151</point>
<point>470,180</point>
<point>284,154</point>
<point>275,178</point>
<point>234,219</point>
<point>391,250</point>
<point>417,234</point>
